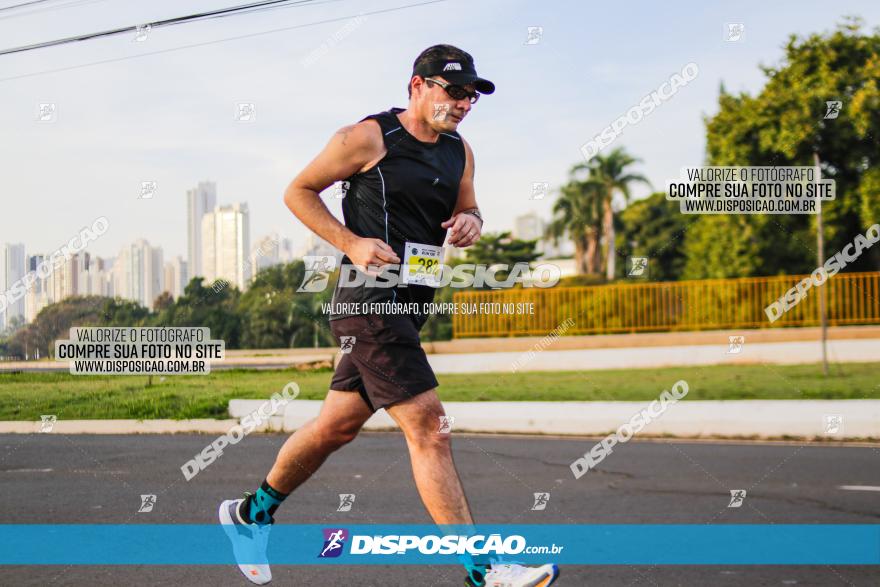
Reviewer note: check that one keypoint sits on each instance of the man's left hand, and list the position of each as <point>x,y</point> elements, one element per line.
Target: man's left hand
<point>465,229</point>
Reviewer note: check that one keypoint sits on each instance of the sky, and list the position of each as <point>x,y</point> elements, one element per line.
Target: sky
<point>163,109</point>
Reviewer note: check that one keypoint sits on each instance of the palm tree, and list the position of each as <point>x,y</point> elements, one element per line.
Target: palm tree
<point>577,213</point>
<point>609,174</point>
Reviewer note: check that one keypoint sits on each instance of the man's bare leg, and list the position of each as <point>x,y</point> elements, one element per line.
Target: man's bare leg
<point>342,415</point>
<point>434,471</point>
<point>339,421</point>
<point>431,454</point>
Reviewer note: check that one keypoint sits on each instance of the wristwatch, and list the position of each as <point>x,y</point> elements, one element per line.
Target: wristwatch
<point>474,212</point>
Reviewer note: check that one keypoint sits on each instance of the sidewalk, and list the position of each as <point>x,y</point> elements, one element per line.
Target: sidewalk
<point>734,418</point>
<point>612,351</point>
<point>779,353</point>
<point>832,420</point>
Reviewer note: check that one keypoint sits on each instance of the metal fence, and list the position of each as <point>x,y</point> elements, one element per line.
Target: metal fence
<point>851,298</point>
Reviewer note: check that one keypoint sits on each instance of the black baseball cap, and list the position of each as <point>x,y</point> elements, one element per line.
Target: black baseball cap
<point>457,71</point>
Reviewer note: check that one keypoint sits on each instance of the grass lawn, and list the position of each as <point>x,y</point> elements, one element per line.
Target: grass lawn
<point>26,396</point>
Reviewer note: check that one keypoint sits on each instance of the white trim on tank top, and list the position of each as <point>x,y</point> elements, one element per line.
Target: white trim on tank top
<point>385,208</point>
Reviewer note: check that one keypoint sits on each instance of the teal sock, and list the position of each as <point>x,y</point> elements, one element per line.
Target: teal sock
<point>477,573</point>
<point>263,503</point>
<point>476,567</point>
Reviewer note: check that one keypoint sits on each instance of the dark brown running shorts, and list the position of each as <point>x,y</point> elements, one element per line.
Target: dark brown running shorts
<point>386,363</point>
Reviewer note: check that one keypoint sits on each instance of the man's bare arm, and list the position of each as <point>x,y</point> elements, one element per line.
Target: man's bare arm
<point>465,228</point>
<point>347,152</point>
<point>467,198</point>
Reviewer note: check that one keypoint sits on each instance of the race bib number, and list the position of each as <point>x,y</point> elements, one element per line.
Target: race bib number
<point>421,264</point>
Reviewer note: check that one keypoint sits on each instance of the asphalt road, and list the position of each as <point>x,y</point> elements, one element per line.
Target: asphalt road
<point>50,478</point>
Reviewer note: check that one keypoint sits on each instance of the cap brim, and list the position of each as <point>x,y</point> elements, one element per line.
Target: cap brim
<point>484,86</point>
<point>461,78</point>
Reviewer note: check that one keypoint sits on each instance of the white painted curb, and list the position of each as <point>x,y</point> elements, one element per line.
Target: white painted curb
<point>777,353</point>
<point>745,418</point>
<point>121,426</point>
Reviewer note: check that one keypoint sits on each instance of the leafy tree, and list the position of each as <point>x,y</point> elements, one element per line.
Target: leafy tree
<point>163,300</point>
<point>12,324</point>
<point>501,247</point>
<point>275,314</point>
<point>120,312</point>
<point>212,307</point>
<point>264,311</point>
<point>37,339</point>
<point>271,276</point>
<point>785,125</point>
<point>654,228</point>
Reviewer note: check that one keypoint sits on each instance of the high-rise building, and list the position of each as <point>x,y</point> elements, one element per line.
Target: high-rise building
<point>226,245</point>
<point>33,261</point>
<point>35,300</point>
<point>51,282</point>
<point>108,276</point>
<point>200,200</point>
<point>94,278</point>
<point>176,277</point>
<point>62,281</point>
<point>77,274</point>
<point>55,278</point>
<point>528,227</point>
<point>12,269</point>
<point>315,245</point>
<point>138,273</point>
<point>285,251</point>
<point>266,252</point>
<point>531,227</point>
<point>58,278</point>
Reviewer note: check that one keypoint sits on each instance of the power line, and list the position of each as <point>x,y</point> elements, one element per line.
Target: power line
<point>206,43</point>
<point>159,23</point>
<point>32,2</point>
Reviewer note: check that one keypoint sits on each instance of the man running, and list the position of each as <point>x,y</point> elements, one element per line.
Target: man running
<point>410,178</point>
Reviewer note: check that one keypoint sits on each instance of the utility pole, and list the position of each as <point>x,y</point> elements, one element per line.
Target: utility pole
<point>820,245</point>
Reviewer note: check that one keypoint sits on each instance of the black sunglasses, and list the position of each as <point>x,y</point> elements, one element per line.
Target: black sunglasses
<point>456,92</point>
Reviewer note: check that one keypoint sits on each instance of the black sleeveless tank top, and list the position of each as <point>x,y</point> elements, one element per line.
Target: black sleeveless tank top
<point>404,197</point>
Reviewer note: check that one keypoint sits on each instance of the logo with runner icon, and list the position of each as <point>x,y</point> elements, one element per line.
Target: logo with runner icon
<point>317,272</point>
<point>334,542</point>
<point>346,501</point>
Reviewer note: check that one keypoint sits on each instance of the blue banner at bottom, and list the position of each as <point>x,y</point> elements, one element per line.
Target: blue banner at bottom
<point>370,544</point>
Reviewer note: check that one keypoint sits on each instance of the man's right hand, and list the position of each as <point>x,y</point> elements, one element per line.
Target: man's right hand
<point>371,251</point>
